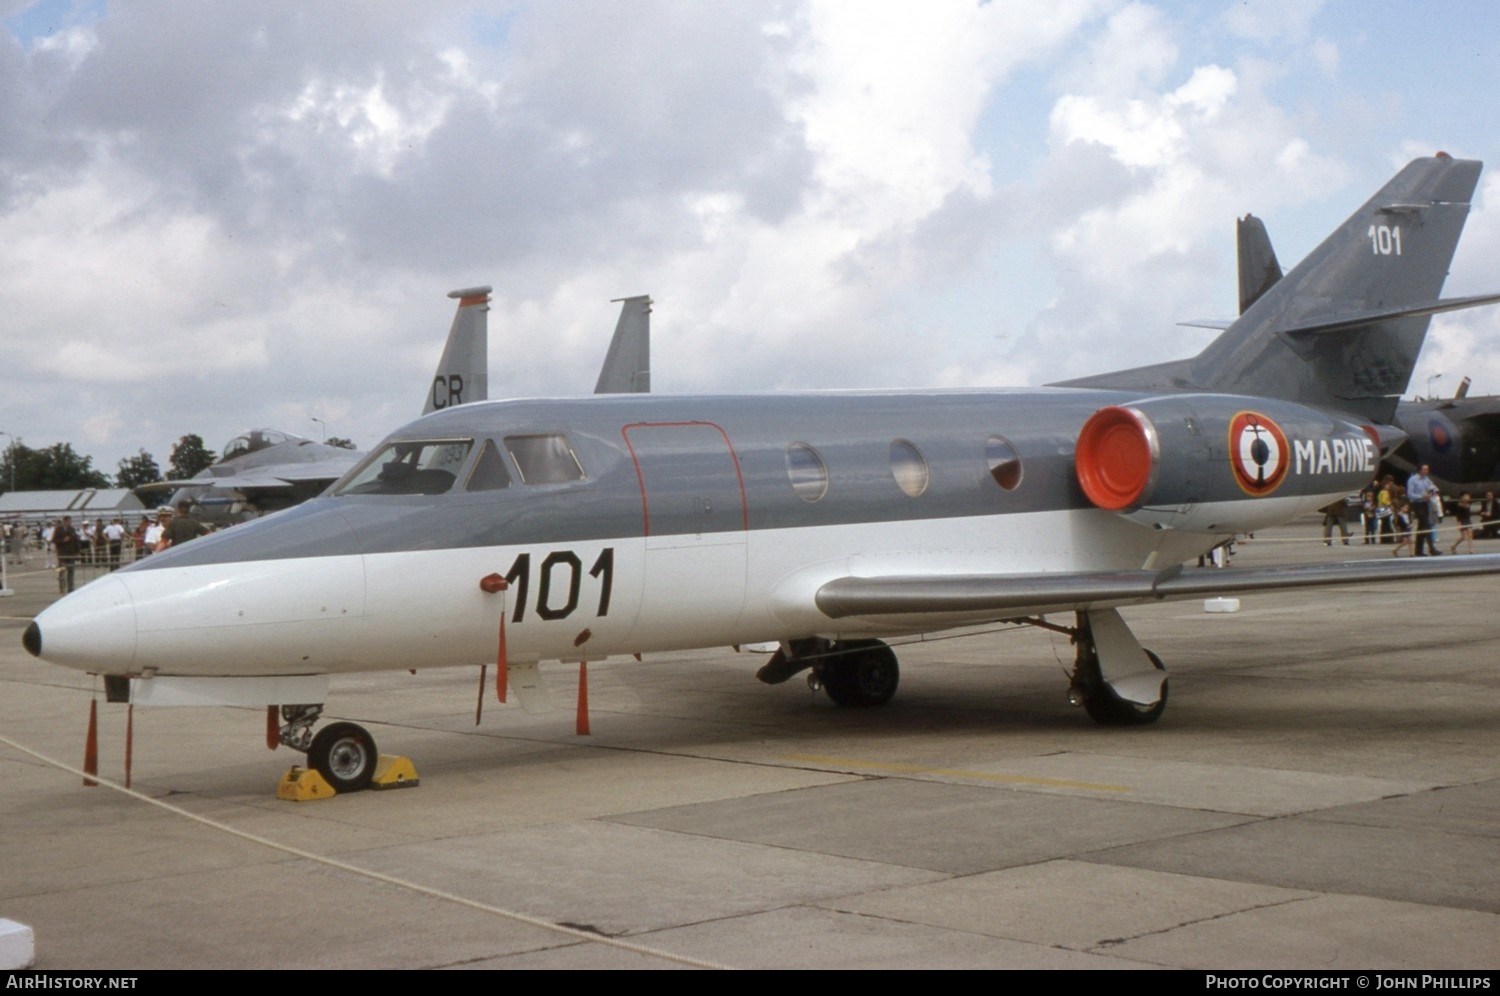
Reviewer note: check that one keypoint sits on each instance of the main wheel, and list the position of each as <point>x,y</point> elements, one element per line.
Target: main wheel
<point>860,673</point>
<point>1108,709</point>
<point>345,755</point>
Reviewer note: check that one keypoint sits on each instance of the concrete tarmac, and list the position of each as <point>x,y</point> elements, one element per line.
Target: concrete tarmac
<point>1322,792</point>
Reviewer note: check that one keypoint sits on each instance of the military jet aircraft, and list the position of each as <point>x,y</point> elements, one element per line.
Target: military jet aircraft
<point>261,471</point>
<point>266,470</point>
<point>825,523</point>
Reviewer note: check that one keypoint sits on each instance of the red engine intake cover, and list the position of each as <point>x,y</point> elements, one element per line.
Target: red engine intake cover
<point>1115,457</point>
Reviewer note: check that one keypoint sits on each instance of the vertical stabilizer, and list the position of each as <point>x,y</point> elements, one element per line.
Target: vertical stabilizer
<point>1259,267</point>
<point>1342,330</point>
<point>627,365</point>
<point>463,374</point>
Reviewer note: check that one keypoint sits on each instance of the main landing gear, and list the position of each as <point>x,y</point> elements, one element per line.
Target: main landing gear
<point>343,753</point>
<point>1116,680</point>
<point>850,672</point>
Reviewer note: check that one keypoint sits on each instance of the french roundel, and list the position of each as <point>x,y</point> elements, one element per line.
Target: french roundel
<point>1441,441</point>
<point>1258,453</point>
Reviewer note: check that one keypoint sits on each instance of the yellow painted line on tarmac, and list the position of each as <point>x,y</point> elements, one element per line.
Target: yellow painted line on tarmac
<point>917,769</point>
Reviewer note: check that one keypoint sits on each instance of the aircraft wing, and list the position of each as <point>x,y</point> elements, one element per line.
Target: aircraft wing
<point>268,478</point>
<point>284,475</point>
<point>1011,595</point>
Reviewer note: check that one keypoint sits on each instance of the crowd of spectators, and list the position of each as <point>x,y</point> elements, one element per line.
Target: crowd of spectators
<point>67,546</point>
<point>1407,516</point>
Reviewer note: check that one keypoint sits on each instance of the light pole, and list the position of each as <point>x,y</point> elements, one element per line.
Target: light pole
<point>10,458</point>
<point>322,426</point>
<point>1429,385</point>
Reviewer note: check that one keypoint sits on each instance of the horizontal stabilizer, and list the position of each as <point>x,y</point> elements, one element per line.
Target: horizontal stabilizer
<point>1364,319</point>
<point>1004,594</point>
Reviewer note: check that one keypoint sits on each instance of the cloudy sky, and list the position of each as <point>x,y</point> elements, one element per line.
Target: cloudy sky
<point>219,215</point>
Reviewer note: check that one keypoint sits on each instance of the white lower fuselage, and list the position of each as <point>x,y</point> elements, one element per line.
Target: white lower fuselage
<point>417,609</point>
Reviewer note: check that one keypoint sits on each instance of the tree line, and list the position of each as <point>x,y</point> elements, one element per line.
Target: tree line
<point>59,467</point>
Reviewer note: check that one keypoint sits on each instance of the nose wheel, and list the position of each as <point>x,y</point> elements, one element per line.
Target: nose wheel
<point>345,755</point>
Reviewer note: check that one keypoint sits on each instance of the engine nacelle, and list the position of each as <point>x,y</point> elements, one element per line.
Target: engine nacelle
<point>1218,463</point>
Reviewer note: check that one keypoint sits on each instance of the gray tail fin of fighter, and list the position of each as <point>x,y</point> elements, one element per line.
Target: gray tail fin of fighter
<point>1259,268</point>
<point>627,365</point>
<point>1342,330</point>
<point>463,374</point>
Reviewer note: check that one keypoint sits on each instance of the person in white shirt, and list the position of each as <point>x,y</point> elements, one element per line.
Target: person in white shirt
<point>114,535</point>
<point>153,532</point>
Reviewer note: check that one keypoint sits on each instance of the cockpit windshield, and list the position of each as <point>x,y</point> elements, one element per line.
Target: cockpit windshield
<point>254,440</point>
<point>419,467</point>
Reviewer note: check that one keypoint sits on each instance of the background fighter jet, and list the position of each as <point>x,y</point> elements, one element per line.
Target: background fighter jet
<point>262,471</point>
<point>828,523</point>
<point>266,470</point>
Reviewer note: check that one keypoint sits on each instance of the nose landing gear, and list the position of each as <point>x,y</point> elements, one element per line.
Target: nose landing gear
<point>344,754</point>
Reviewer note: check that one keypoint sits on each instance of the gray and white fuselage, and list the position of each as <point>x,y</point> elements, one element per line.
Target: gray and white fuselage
<point>689,522</point>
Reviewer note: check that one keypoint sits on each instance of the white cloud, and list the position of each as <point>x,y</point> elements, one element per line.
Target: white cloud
<point>1134,52</point>
<point>1146,132</point>
<point>1271,20</point>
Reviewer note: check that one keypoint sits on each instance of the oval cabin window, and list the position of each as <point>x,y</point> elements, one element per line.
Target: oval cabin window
<point>909,467</point>
<point>1004,461</point>
<point>807,472</point>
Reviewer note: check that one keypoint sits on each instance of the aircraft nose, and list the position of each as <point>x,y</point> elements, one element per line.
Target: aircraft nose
<point>93,629</point>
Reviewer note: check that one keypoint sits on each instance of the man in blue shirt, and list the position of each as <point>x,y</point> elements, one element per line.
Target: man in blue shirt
<point>1419,491</point>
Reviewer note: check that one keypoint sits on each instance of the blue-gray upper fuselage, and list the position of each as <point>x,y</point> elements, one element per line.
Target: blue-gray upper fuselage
<point>701,447</point>
<point>852,433</point>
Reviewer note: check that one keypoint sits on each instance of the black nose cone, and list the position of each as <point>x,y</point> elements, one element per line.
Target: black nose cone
<point>32,640</point>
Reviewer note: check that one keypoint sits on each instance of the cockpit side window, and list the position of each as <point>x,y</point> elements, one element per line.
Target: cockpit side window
<point>545,458</point>
<point>489,473</point>
<point>425,467</point>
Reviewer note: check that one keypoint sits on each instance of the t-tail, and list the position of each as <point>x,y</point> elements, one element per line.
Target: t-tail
<point>1342,330</point>
<point>463,374</point>
<point>627,365</point>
